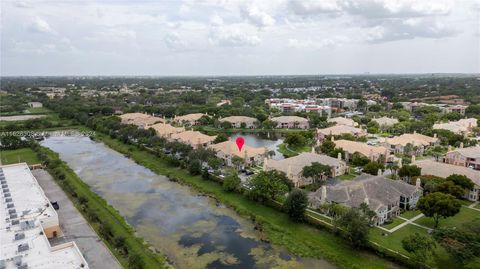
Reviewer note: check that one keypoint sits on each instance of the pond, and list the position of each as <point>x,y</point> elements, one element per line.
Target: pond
<point>268,140</point>
<point>193,230</point>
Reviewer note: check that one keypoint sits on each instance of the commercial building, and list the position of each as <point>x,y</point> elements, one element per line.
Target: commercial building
<point>384,196</point>
<point>293,166</point>
<point>291,122</point>
<point>27,222</point>
<point>439,169</point>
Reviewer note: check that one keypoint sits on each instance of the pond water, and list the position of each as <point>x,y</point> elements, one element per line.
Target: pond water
<point>194,231</point>
<point>268,140</point>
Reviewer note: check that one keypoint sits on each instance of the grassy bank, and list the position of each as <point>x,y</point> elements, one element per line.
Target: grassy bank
<point>130,250</point>
<point>300,239</point>
<point>26,155</point>
<point>288,151</point>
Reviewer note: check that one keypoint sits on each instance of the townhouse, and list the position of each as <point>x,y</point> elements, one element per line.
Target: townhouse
<point>291,122</point>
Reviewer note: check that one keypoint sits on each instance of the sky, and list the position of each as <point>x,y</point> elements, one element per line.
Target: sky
<point>224,37</point>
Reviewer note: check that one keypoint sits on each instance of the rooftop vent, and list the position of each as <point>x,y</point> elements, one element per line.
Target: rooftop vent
<point>28,224</point>
<point>19,236</point>
<point>23,247</point>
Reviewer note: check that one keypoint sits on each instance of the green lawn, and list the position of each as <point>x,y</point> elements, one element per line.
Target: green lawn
<point>18,156</point>
<point>465,202</point>
<point>465,215</point>
<point>394,241</point>
<point>477,206</point>
<point>410,214</point>
<point>395,222</point>
<point>290,151</point>
<point>38,110</point>
<point>300,239</point>
<point>350,175</point>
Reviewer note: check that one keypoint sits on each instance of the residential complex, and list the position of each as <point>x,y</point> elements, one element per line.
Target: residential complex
<point>27,222</point>
<point>439,169</point>
<point>339,130</point>
<point>291,122</point>
<point>293,166</point>
<point>463,126</point>
<point>228,150</point>
<point>409,144</point>
<point>373,153</point>
<point>140,119</point>
<point>385,121</point>
<point>241,121</point>
<point>166,130</point>
<point>467,157</point>
<point>384,196</point>
<point>193,138</point>
<point>286,105</point>
<point>189,119</point>
<point>343,121</point>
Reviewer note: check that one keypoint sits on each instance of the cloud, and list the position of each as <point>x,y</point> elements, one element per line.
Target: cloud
<point>256,16</point>
<point>395,8</point>
<point>233,36</point>
<point>305,8</point>
<point>22,4</point>
<point>317,44</point>
<point>174,42</point>
<point>400,29</point>
<point>39,25</point>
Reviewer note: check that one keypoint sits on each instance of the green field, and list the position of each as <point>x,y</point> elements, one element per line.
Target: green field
<point>290,151</point>
<point>18,156</point>
<point>38,110</point>
<point>300,239</point>
<point>410,214</point>
<point>465,215</point>
<point>395,222</point>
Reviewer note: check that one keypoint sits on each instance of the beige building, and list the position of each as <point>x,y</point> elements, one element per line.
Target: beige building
<point>35,104</point>
<point>193,138</point>
<point>415,143</point>
<point>293,166</point>
<point>343,121</point>
<point>439,169</point>
<point>189,119</point>
<point>166,130</point>
<point>28,220</point>
<point>384,196</point>
<point>463,126</point>
<point>291,122</point>
<point>237,121</point>
<point>140,119</point>
<point>228,149</point>
<point>385,121</point>
<point>339,130</point>
<point>373,153</point>
<point>467,157</point>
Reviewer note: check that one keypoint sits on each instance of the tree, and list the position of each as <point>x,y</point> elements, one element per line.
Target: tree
<point>268,185</point>
<point>195,167</point>
<point>135,261</point>
<point>421,247</point>
<point>436,151</point>
<point>461,243</point>
<point>220,138</point>
<point>372,167</point>
<point>237,161</point>
<point>359,160</point>
<point>461,180</point>
<point>327,146</point>
<point>296,204</point>
<point>354,226</point>
<point>316,171</point>
<point>449,187</point>
<point>393,167</point>
<point>409,171</point>
<point>231,182</point>
<point>205,174</point>
<point>438,205</point>
<point>295,139</point>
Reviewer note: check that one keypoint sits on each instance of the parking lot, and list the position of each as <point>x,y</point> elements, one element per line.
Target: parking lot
<point>75,227</point>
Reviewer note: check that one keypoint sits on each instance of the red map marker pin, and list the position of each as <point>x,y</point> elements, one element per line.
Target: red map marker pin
<point>240,141</point>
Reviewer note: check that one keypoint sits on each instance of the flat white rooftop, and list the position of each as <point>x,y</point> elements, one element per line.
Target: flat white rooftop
<point>25,213</point>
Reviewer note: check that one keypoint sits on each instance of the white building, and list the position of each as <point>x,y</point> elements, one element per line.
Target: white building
<point>27,221</point>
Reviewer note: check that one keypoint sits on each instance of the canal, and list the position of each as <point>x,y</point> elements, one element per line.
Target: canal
<point>194,231</point>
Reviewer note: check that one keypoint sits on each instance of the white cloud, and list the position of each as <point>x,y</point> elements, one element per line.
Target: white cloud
<point>174,42</point>
<point>313,7</point>
<point>256,16</point>
<point>39,25</point>
<point>233,36</point>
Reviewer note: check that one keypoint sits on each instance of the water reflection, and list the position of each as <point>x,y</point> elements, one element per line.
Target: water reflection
<point>189,228</point>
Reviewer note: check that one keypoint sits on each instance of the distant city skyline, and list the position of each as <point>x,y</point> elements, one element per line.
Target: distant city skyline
<point>223,38</point>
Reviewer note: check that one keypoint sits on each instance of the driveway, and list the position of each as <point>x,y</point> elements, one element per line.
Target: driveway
<point>75,227</point>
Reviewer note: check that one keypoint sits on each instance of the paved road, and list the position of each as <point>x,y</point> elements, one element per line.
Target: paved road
<point>75,227</point>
